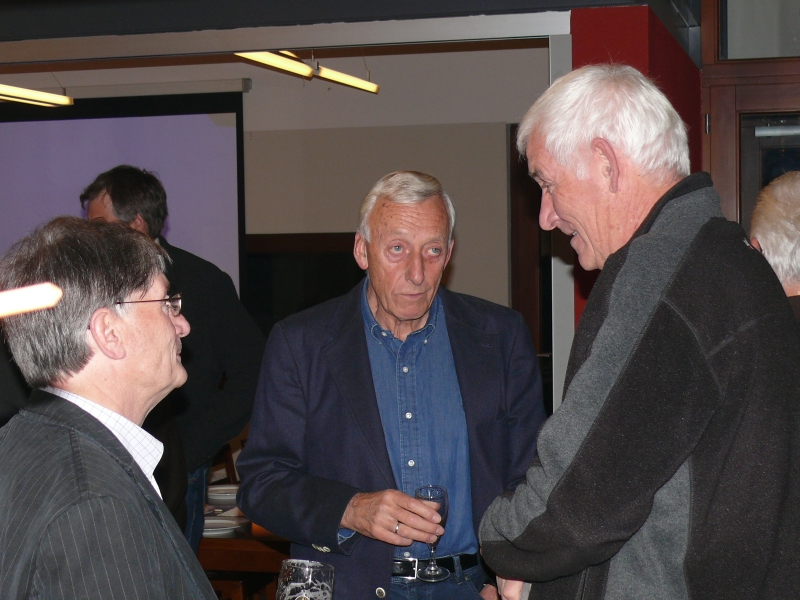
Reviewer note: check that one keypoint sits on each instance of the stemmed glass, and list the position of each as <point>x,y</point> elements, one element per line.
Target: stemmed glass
<point>438,494</point>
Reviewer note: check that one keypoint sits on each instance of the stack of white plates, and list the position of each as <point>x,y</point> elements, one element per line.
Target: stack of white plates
<point>221,527</point>
<point>222,495</point>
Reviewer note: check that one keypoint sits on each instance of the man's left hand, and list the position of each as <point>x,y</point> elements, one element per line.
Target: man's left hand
<point>489,592</point>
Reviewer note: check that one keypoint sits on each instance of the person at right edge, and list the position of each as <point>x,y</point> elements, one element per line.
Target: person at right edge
<point>672,468</point>
<point>775,232</point>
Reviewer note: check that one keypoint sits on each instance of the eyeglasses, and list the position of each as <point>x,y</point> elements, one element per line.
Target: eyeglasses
<point>173,303</point>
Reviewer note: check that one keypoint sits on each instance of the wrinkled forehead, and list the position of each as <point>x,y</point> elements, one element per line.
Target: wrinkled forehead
<point>429,216</point>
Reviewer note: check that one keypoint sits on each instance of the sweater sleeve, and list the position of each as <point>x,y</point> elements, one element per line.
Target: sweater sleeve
<point>623,432</point>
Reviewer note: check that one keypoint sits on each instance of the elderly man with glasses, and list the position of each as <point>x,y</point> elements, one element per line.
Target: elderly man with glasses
<point>81,515</point>
<point>223,355</point>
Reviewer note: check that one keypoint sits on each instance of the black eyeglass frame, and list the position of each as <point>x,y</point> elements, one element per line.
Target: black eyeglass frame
<point>173,302</point>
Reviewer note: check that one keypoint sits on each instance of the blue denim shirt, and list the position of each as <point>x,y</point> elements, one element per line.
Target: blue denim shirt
<point>423,421</point>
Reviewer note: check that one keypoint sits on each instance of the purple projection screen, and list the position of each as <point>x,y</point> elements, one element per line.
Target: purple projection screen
<point>44,166</point>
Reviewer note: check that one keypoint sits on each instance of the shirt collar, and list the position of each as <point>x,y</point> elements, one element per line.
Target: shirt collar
<point>377,331</point>
<point>143,447</point>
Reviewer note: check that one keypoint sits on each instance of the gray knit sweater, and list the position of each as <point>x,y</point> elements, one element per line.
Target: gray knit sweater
<point>672,469</point>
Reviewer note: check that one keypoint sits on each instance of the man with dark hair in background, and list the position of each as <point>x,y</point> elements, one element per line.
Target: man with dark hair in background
<point>223,354</point>
<point>80,513</point>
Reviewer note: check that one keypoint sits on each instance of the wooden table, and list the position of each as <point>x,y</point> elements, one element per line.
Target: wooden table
<point>259,552</point>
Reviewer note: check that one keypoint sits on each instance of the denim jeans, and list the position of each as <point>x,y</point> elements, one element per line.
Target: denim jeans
<point>461,585</point>
<point>195,502</point>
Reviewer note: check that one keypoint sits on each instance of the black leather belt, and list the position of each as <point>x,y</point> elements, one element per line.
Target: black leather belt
<point>407,567</point>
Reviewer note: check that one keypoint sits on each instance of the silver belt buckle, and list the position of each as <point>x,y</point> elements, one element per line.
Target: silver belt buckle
<point>411,560</point>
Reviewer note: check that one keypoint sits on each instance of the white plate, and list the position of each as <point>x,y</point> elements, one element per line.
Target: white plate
<point>219,532</point>
<point>221,527</point>
<point>223,489</point>
<point>222,494</point>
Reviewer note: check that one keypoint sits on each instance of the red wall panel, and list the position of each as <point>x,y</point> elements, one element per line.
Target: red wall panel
<point>634,35</point>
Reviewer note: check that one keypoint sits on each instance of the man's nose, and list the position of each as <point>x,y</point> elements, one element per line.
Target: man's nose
<point>182,327</point>
<point>547,214</point>
<point>416,269</point>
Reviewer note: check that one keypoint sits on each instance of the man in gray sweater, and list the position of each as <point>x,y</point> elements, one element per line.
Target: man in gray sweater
<point>672,468</point>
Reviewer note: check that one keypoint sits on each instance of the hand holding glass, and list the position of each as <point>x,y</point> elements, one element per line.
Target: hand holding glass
<point>438,494</point>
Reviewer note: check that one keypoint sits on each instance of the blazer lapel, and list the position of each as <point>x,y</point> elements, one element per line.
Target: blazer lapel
<point>348,362</point>
<point>475,355</point>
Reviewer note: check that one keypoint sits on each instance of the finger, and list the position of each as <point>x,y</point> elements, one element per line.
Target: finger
<point>409,534</point>
<point>419,523</point>
<point>425,509</point>
<point>511,589</point>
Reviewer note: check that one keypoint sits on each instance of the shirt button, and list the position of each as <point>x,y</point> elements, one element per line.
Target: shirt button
<point>405,369</point>
<point>425,342</point>
<point>411,463</point>
<point>407,554</point>
<point>409,415</point>
<point>380,593</point>
<point>383,333</point>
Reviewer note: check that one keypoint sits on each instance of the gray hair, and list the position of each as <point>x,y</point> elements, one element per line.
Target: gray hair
<point>776,225</point>
<point>615,103</point>
<point>96,264</point>
<point>405,187</point>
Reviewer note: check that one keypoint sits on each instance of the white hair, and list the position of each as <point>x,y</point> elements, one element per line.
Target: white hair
<point>776,225</point>
<point>615,103</point>
<point>405,187</point>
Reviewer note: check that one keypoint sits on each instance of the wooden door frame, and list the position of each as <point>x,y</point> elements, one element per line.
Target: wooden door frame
<point>732,88</point>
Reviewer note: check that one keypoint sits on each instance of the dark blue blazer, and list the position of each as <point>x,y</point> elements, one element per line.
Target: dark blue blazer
<point>316,437</point>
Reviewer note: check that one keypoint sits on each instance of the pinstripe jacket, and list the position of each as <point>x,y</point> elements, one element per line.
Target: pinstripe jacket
<point>78,518</point>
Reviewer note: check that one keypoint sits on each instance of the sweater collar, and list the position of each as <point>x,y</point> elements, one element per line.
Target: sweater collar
<point>687,185</point>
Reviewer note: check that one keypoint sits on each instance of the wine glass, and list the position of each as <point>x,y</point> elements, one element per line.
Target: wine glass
<point>305,580</point>
<point>438,494</point>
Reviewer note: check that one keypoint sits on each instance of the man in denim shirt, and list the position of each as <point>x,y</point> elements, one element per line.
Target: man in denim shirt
<point>396,385</point>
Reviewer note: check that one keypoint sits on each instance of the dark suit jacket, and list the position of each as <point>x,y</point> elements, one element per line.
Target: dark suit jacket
<point>222,356</point>
<point>78,517</point>
<point>316,437</point>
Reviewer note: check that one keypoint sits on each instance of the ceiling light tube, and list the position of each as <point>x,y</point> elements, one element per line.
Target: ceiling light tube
<point>26,299</point>
<point>279,62</point>
<point>12,99</point>
<point>346,79</point>
<point>18,94</point>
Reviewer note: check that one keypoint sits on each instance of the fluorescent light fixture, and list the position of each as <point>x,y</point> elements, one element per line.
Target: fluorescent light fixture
<point>18,94</point>
<point>346,79</point>
<point>12,99</point>
<point>27,299</point>
<point>279,62</point>
<point>777,130</point>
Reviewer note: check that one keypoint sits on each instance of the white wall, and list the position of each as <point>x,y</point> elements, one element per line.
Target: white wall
<point>314,180</point>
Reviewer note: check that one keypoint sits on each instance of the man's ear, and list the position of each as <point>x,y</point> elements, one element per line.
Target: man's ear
<point>105,331</point>
<point>360,252</point>
<point>604,152</point>
<point>139,224</point>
